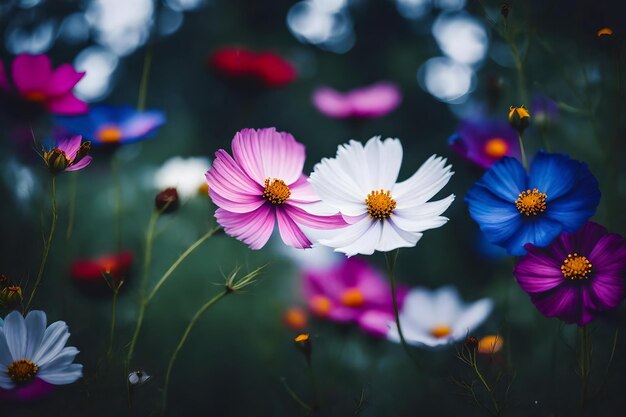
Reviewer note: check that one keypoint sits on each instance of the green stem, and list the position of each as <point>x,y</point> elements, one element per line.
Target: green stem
<point>133,340</point>
<point>295,397</point>
<point>147,256</point>
<point>496,407</point>
<point>72,209</point>
<point>113,317</point>
<point>522,151</point>
<point>143,87</point>
<point>585,363</point>
<point>391,258</point>
<point>316,403</point>
<point>183,339</point>
<point>48,244</point>
<point>117,211</point>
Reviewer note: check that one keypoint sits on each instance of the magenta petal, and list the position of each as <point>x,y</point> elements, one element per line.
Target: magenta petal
<point>228,179</point>
<point>607,290</point>
<point>564,302</point>
<point>31,73</point>
<point>332,103</point>
<point>290,232</point>
<point>67,105</point>
<point>375,322</point>
<point>63,79</point>
<point>242,204</point>
<point>376,100</point>
<point>303,218</point>
<point>80,164</point>
<point>609,254</point>
<point>4,81</point>
<point>70,146</point>
<point>342,314</point>
<point>254,228</point>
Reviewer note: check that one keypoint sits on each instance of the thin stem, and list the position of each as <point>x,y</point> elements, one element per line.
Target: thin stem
<point>143,87</point>
<point>485,384</point>
<point>113,317</point>
<point>584,363</point>
<point>522,151</point>
<point>183,339</point>
<point>117,211</point>
<point>48,244</point>
<point>133,340</point>
<point>147,256</point>
<point>316,403</point>
<point>295,397</point>
<point>72,208</point>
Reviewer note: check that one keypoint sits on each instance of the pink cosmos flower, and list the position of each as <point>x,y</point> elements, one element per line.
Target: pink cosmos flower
<point>372,101</point>
<point>264,184</point>
<point>352,291</point>
<point>35,81</point>
<point>70,154</point>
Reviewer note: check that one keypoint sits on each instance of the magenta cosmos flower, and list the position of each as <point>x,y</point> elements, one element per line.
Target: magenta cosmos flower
<point>352,291</point>
<point>35,81</point>
<point>372,101</point>
<point>576,277</point>
<point>264,185</point>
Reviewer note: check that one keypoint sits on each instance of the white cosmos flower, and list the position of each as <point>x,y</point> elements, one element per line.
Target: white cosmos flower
<point>184,174</point>
<point>438,317</point>
<point>29,350</point>
<point>360,183</point>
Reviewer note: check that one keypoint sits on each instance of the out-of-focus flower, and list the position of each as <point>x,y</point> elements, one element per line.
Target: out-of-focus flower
<point>471,343</point>
<point>185,174</point>
<point>35,81</point>
<point>266,69</point>
<point>264,184</point>
<point>373,101</point>
<point>360,182</point>
<point>513,208</point>
<point>167,200</point>
<point>30,392</point>
<point>29,350</point>
<point>89,274</point>
<point>519,118</point>
<point>490,344</point>
<point>70,154</point>
<point>545,110</point>
<point>295,318</point>
<point>11,296</point>
<point>484,142</point>
<point>137,378</point>
<point>439,317</point>
<point>604,32</point>
<point>114,125</point>
<point>303,344</point>
<point>579,276</point>
<point>352,291</point>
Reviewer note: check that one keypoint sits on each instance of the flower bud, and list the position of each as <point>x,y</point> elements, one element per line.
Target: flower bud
<point>471,343</point>
<point>604,32</point>
<point>56,160</point>
<point>167,200</point>
<point>303,344</point>
<point>138,377</point>
<point>11,296</point>
<point>504,10</point>
<point>519,118</point>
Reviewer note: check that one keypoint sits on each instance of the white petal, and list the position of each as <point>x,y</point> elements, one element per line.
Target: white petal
<point>423,217</point>
<point>65,376</point>
<point>35,327</point>
<point>60,362</point>
<point>15,334</point>
<point>352,160</point>
<point>335,188</point>
<point>429,179</point>
<point>472,317</point>
<point>344,236</point>
<point>5,354</point>
<point>384,159</point>
<point>54,340</point>
<point>418,308</point>
<point>448,305</point>
<point>5,381</point>
<point>392,238</point>
<point>415,337</point>
<point>367,243</point>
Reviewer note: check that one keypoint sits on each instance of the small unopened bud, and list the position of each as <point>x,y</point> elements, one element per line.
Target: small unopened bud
<point>604,32</point>
<point>138,377</point>
<point>505,9</point>
<point>471,343</point>
<point>11,296</point>
<point>519,118</point>
<point>303,344</point>
<point>56,160</point>
<point>167,200</point>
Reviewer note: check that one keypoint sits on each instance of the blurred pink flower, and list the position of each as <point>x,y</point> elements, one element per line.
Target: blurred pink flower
<point>352,291</point>
<point>372,101</point>
<point>35,81</point>
<point>264,184</point>
<point>30,392</point>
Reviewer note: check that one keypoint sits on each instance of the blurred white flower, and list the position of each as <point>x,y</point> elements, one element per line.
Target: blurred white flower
<point>138,377</point>
<point>438,317</point>
<point>184,174</point>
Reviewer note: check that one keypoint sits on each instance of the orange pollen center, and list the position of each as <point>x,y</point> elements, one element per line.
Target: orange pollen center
<point>203,189</point>
<point>276,191</point>
<point>380,205</point>
<point>531,203</point>
<point>22,371</point>
<point>575,267</point>
<point>109,134</point>
<point>35,96</point>
<point>352,297</point>
<point>441,331</point>
<point>320,305</point>
<point>496,148</point>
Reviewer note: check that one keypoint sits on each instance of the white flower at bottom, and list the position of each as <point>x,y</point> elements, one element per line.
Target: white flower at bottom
<point>184,174</point>
<point>360,183</point>
<point>29,350</point>
<point>438,317</point>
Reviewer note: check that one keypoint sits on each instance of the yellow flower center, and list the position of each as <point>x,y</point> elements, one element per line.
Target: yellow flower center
<point>496,148</point>
<point>302,337</point>
<point>22,371</point>
<point>575,267</point>
<point>203,189</point>
<point>276,191</point>
<point>441,331</point>
<point>352,297</point>
<point>35,96</point>
<point>531,203</point>
<point>379,204</point>
<point>109,134</point>
<point>321,305</point>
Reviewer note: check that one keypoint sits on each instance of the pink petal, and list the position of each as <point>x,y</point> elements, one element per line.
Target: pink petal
<point>70,146</point>
<point>376,323</point>
<point>243,204</point>
<point>63,79</point>
<point>31,73</point>
<point>290,232</point>
<point>376,100</point>
<point>266,153</point>
<point>302,191</point>
<point>81,164</point>
<point>254,228</point>
<point>332,103</point>
<point>67,105</point>
<point>301,217</point>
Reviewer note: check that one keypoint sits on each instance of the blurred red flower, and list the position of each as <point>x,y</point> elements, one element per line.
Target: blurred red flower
<point>89,274</point>
<point>264,68</point>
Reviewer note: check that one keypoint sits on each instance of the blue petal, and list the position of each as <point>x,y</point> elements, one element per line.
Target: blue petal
<point>540,231</point>
<point>553,174</point>
<point>497,218</point>
<point>506,179</point>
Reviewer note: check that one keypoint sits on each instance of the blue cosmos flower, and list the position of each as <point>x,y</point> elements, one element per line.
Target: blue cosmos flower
<point>106,125</point>
<point>513,208</point>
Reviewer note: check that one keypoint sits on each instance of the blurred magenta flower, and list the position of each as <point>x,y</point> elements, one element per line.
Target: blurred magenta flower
<point>484,142</point>
<point>434,318</point>
<point>113,125</point>
<point>35,81</point>
<point>88,273</point>
<point>373,101</point>
<point>31,392</point>
<point>352,292</point>
<point>70,154</point>
<point>513,207</point>
<point>264,68</point>
<point>264,184</point>
<point>578,276</point>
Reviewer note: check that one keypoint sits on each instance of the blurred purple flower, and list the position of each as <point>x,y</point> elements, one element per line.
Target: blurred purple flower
<point>372,101</point>
<point>484,142</point>
<point>352,291</point>
<point>577,276</point>
<point>544,110</point>
<point>30,392</point>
